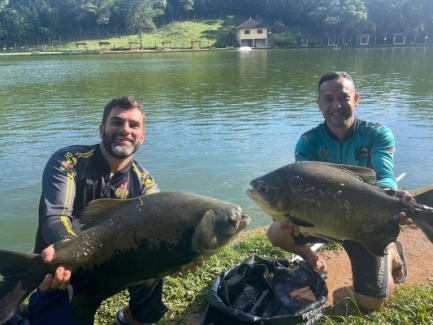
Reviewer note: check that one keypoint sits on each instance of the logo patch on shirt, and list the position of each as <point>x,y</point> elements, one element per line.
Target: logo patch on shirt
<point>362,153</point>
<point>68,166</point>
<point>324,153</point>
<point>122,192</point>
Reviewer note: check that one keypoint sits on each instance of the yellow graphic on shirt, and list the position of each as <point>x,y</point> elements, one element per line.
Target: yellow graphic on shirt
<point>68,167</point>
<point>147,182</point>
<point>64,220</point>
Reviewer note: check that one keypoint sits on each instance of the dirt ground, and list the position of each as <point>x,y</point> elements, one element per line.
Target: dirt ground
<point>419,261</point>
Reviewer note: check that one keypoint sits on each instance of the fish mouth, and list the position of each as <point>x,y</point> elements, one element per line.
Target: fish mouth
<point>258,189</point>
<point>244,222</point>
<point>256,196</point>
<point>252,194</point>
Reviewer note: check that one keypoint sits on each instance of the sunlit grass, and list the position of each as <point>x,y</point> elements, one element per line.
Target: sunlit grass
<point>408,305</point>
<point>180,34</point>
<point>206,34</point>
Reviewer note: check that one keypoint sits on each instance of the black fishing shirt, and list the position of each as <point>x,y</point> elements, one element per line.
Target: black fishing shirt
<point>72,178</point>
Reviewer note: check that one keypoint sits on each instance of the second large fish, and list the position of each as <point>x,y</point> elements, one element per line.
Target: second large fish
<point>336,202</point>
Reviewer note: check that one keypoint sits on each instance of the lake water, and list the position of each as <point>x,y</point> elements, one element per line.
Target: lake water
<point>216,119</point>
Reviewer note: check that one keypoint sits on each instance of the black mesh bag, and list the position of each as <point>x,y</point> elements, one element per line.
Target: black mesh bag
<point>266,291</point>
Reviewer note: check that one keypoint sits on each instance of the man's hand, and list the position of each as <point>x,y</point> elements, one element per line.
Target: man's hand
<point>405,197</point>
<point>60,279</point>
<point>292,229</point>
<point>188,268</point>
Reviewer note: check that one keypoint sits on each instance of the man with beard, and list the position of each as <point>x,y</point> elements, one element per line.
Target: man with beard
<point>73,177</point>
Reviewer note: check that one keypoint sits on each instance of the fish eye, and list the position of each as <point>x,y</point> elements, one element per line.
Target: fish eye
<point>263,188</point>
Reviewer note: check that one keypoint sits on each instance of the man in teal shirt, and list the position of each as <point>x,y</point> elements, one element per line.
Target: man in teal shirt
<point>345,139</point>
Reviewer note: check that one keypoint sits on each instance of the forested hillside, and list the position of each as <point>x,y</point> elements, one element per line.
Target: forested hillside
<point>42,21</point>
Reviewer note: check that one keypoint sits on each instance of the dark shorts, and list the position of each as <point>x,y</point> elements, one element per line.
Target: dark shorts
<point>370,273</point>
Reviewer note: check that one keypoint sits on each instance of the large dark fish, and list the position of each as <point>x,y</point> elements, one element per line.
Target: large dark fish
<point>337,202</point>
<point>126,242</point>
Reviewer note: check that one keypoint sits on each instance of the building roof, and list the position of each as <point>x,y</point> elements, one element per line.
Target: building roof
<point>251,23</point>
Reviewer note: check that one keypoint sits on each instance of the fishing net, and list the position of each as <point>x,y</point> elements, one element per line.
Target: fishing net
<point>266,291</point>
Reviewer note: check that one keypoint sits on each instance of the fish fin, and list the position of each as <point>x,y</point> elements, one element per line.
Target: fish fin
<point>423,195</point>
<point>367,175</point>
<point>19,280</point>
<point>387,235</point>
<point>390,229</point>
<point>377,245</point>
<point>424,220</point>
<point>84,306</point>
<point>92,215</point>
<point>209,236</point>
<point>185,260</point>
<point>300,222</point>
<point>330,239</point>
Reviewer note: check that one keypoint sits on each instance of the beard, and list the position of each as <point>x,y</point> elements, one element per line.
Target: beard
<point>118,151</point>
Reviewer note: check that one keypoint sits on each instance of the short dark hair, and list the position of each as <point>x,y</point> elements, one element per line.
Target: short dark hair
<point>334,75</point>
<point>125,102</point>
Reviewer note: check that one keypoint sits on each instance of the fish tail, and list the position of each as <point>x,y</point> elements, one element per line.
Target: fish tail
<point>19,280</point>
<point>424,221</point>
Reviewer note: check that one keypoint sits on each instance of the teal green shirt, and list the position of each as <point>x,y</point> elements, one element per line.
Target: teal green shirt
<point>367,144</point>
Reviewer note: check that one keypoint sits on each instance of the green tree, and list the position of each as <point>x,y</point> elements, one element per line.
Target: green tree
<point>339,17</point>
<point>15,24</point>
<point>412,17</point>
<point>140,15</point>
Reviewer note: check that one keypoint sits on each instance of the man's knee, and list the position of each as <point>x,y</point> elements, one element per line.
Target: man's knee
<point>369,303</point>
<point>270,235</point>
<point>275,236</point>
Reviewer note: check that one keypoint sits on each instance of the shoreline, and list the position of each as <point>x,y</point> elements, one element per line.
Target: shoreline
<point>169,50</point>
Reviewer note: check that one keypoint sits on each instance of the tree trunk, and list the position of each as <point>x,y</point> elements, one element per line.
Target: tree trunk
<point>140,35</point>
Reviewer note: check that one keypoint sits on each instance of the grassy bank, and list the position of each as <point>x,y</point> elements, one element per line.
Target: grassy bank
<point>187,297</point>
<point>216,33</point>
<point>177,35</point>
